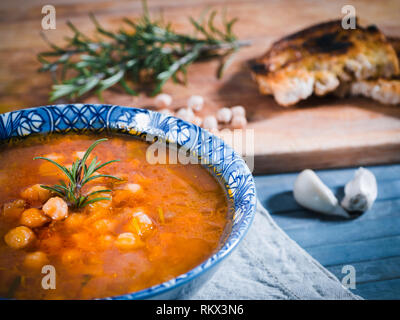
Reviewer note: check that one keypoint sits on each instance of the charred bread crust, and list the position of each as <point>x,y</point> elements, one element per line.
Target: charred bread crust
<point>324,55</point>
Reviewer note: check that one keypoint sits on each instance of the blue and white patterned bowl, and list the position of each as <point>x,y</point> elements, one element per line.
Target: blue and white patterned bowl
<point>228,166</point>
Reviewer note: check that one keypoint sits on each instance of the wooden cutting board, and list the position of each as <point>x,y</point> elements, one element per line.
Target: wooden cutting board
<point>319,133</point>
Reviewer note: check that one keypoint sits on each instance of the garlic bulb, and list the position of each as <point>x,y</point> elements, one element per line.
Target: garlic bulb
<point>361,192</point>
<point>311,193</point>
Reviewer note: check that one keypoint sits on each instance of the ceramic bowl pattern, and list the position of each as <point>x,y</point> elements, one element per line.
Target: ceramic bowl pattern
<point>228,166</point>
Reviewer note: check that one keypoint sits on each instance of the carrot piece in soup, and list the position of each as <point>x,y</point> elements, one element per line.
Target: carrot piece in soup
<point>139,223</point>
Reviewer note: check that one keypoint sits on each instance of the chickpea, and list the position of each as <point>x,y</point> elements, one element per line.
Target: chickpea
<point>36,193</point>
<point>35,260</point>
<point>238,111</point>
<point>133,187</point>
<point>19,237</point>
<point>210,123</point>
<point>128,241</point>
<point>238,122</point>
<point>195,102</point>
<point>74,221</point>
<point>56,208</point>
<point>33,218</point>
<point>13,210</point>
<point>163,100</point>
<point>224,115</point>
<point>185,114</point>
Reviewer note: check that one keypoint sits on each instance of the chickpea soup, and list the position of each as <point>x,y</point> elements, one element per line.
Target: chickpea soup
<point>134,226</point>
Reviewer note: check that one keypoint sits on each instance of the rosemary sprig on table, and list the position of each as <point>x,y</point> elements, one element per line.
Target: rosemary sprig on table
<point>78,175</point>
<point>151,52</point>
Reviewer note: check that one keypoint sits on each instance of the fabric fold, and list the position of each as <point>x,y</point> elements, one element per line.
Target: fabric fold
<point>270,265</point>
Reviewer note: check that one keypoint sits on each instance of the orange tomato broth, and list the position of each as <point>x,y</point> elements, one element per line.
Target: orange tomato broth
<point>187,208</point>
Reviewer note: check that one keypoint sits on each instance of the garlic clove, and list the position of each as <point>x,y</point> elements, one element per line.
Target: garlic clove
<point>210,123</point>
<point>360,192</point>
<point>310,192</point>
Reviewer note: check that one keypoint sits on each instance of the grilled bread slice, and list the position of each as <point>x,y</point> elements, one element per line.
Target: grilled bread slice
<point>318,59</point>
<point>386,91</point>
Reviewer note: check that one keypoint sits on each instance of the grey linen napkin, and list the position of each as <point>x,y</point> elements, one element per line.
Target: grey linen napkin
<point>269,265</point>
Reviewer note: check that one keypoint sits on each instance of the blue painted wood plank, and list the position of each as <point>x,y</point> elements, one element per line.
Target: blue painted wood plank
<point>305,219</point>
<point>346,232</point>
<point>332,176</point>
<point>376,270</point>
<point>380,290</point>
<point>349,253</point>
<point>370,243</point>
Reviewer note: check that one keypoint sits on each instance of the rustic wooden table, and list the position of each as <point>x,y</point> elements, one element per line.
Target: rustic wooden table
<point>321,133</point>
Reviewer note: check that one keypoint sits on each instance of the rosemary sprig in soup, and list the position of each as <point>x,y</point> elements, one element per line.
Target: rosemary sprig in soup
<point>78,175</point>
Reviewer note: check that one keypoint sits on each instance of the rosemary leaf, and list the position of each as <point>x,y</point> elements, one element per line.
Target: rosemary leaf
<point>78,176</point>
<point>149,52</point>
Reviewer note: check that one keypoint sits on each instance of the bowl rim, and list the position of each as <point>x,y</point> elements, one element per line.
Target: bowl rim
<point>111,125</point>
